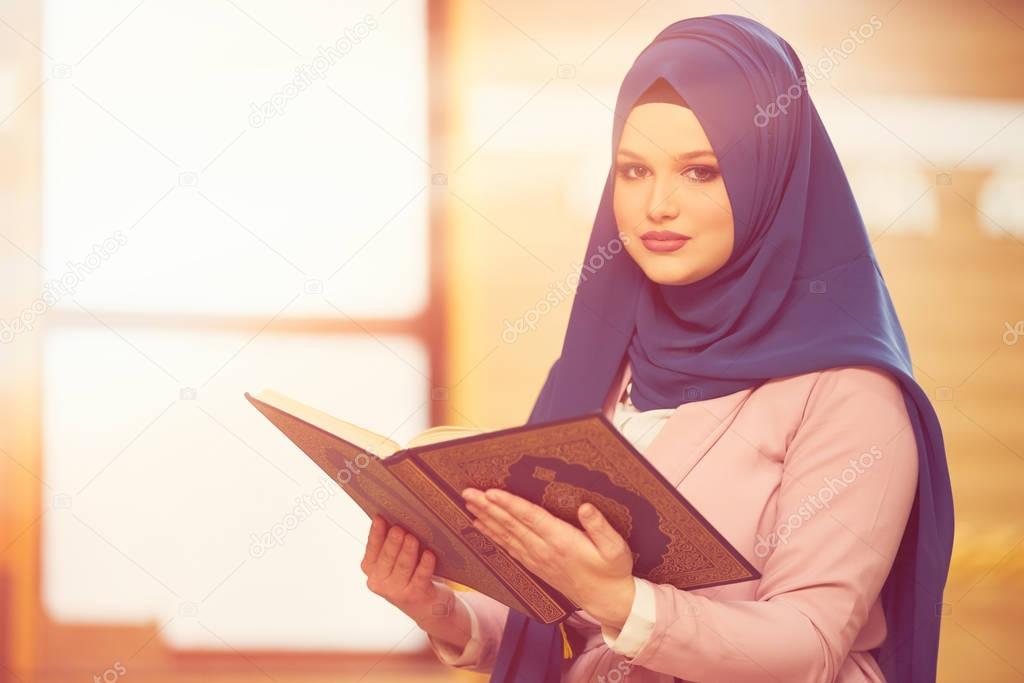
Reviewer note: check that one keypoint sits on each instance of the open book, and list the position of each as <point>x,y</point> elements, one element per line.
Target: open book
<point>558,465</point>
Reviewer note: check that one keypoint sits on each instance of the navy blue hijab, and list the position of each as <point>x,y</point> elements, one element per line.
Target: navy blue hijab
<point>800,292</point>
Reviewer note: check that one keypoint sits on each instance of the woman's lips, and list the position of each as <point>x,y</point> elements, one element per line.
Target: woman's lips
<point>663,240</point>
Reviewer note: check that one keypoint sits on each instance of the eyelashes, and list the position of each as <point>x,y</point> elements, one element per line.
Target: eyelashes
<point>696,174</point>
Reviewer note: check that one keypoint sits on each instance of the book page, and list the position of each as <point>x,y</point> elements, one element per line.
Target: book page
<point>442,433</point>
<point>370,441</point>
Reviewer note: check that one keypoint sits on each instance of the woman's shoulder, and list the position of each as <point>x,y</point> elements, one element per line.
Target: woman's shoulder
<point>871,378</point>
<point>850,410</point>
<point>846,392</point>
<point>870,381</point>
<point>855,397</point>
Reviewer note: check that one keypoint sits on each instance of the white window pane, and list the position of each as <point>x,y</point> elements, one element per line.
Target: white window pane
<point>233,212</point>
<point>153,500</point>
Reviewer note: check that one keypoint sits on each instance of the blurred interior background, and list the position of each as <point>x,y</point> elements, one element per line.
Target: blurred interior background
<point>354,203</point>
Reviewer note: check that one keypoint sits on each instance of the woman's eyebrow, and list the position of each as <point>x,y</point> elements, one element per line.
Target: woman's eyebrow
<point>679,157</point>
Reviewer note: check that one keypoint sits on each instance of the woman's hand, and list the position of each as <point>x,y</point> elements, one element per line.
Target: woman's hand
<point>396,571</point>
<point>399,573</point>
<point>593,568</point>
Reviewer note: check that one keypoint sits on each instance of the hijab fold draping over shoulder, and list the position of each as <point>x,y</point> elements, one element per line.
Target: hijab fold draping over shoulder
<point>800,292</point>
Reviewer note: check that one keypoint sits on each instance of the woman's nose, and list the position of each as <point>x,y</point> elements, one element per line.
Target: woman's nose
<point>664,204</point>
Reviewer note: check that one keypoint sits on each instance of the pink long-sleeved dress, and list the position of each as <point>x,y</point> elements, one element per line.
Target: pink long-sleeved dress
<point>811,477</point>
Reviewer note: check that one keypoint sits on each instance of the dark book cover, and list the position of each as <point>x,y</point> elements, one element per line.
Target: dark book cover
<point>558,465</point>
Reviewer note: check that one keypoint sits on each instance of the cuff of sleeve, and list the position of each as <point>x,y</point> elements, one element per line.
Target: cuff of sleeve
<point>469,654</point>
<point>639,625</point>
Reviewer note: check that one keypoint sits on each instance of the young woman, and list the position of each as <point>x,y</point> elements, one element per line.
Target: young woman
<point>734,325</point>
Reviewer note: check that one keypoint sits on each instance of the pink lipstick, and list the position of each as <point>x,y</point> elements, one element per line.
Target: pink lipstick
<point>663,240</point>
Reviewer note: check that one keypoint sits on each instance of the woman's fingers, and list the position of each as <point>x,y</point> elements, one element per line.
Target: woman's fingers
<point>602,534</point>
<point>423,575</point>
<point>405,562</point>
<point>397,571</point>
<point>374,542</point>
<point>534,534</point>
<point>389,552</point>
<point>488,526</point>
<point>392,556</point>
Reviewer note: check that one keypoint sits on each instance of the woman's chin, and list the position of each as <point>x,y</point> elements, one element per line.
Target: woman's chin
<point>666,273</point>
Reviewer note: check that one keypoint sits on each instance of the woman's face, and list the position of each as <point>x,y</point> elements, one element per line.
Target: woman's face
<point>670,202</point>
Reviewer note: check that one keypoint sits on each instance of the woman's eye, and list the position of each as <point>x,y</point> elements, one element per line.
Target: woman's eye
<point>697,174</point>
<point>633,171</point>
<point>701,174</point>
